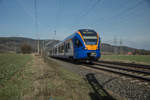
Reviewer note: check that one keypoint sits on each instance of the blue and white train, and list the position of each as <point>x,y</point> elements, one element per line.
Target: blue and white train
<point>83,45</point>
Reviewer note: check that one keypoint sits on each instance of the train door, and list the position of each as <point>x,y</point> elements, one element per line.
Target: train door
<point>78,48</point>
<point>69,49</point>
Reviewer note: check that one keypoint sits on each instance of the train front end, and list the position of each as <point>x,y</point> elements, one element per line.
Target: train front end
<point>89,46</point>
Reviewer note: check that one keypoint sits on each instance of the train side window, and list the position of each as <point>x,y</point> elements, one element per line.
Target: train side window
<point>59,49</point>
<point>55,50</point>
<point>68,45</point>
<point>63,49</point>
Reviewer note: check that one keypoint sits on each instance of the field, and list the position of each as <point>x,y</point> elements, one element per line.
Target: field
<point>142,59</point>
<point>11,67</point>
<point>11,64</point>
<point>28,77</point>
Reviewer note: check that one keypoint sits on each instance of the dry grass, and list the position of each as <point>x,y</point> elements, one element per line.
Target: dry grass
<point>52,81</point>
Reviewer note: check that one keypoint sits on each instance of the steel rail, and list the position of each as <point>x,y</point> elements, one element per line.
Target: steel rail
<point>121,68</point>
<point>126,64</point>
<point>117,72</point>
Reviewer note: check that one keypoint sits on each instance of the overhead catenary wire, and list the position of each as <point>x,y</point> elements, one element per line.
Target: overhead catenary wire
<point>89,10</point>
<point>20,3</point>
<point>59,6</point>
<point>106,19</point>
<point>85,13</point>
<point>57,14</point>
<point>126,11</point>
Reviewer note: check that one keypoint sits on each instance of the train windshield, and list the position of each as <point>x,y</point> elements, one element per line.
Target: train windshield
<point>90,37</point>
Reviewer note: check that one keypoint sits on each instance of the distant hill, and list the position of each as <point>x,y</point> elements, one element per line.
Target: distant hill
<point>110,49</point>
<point>13,44</point>
<point>107,48</point>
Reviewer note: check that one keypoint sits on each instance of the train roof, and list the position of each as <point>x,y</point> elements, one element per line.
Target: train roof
<point>81,30</point>
<point>58,44</point>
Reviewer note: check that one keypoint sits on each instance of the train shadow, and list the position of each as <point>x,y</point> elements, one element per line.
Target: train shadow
<point>73,61</point>
<point>99,92</point>
<point>68,60</point>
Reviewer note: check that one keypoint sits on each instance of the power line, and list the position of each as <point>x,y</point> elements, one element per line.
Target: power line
<point>59,6</point>
<point>90,9</point>
<point>129,9</point>
<point>20,2</point>
<point>123,12</point>
<point>85,13</point>
<point>54,34</point>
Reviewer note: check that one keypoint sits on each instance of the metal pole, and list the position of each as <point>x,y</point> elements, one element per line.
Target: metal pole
<point>54,34</point>
<point>115,43</point>
<point>36,26</point>
<point>121,42</point>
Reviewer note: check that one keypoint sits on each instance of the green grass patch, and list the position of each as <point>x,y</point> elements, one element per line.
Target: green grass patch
<point>10,64</point>
<point>12,75</point>
<point>143,59</point>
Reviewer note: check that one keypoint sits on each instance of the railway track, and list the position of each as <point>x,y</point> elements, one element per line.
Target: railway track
<point>126,64</point>
<point>138,72</point>
<point>134,70</point>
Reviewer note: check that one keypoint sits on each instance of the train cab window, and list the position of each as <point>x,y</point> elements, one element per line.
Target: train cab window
<point>89,36</point>
<point>78,43</point>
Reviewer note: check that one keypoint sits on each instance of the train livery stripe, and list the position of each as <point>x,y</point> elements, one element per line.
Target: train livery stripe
<point>82,39</point>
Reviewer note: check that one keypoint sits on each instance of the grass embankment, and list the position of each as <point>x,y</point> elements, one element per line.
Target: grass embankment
<point>12,82</point>
<point>142,59</point>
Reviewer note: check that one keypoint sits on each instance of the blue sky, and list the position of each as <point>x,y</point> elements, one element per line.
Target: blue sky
<point>125,20</point>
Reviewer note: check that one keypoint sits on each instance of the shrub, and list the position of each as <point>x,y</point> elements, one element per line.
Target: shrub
<point>26,48</point>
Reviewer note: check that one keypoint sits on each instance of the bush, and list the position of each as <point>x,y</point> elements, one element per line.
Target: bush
<point>25,48</point>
